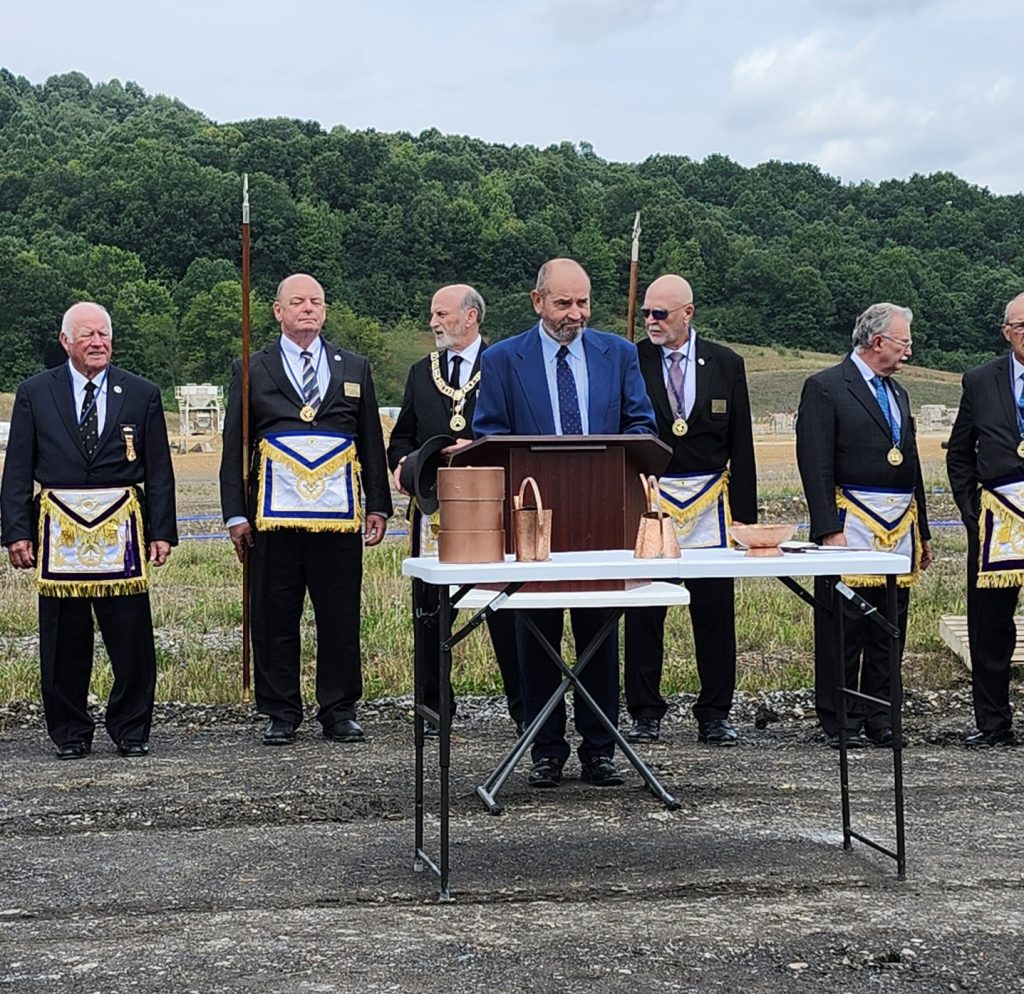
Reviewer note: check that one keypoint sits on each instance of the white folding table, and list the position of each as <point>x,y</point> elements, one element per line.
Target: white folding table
<point>619,564</point>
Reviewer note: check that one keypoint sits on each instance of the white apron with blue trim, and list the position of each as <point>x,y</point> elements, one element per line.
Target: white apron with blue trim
<point>308,480</point>
<point>699,506</point>
<point>883,521</point>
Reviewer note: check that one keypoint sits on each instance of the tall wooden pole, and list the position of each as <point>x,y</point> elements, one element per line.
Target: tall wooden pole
<point>634,256</point>
<point>246,456</point>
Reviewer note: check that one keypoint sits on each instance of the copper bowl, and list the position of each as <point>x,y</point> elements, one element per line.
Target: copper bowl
<point>762,540</point>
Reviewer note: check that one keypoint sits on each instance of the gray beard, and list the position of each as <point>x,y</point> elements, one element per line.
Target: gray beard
<point>563,336</point>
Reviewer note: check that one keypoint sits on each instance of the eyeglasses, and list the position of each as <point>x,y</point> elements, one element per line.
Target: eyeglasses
<point>905,345</point>
<point>658,313</point>
<point>1017,327</point>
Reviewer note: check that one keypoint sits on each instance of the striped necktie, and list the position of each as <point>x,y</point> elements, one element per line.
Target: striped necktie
<point>310,386</point>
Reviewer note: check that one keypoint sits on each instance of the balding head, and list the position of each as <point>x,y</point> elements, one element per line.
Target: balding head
<point>456,313</point>
<point>562,299</point>
<point>668,311</point>
<point>84,312</point>
<point>300,308</point>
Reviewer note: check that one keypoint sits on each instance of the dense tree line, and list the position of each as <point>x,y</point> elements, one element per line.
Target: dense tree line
<point>134,201</point>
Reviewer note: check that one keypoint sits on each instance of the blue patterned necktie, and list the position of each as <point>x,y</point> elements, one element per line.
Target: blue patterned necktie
<point>883,402</point>
<point>310,386</point>
<point>568,399</point>
<point>1020,403</point>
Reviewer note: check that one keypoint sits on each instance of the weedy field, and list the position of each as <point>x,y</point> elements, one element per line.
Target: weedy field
<point>197,607</point>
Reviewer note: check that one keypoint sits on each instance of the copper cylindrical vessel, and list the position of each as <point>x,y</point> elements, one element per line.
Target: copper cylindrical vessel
<point>472,503</point>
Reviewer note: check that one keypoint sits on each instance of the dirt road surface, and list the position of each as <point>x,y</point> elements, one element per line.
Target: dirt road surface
<point>219,865</point>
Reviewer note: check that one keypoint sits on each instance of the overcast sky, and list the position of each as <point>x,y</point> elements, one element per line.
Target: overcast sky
<point>866,89</point>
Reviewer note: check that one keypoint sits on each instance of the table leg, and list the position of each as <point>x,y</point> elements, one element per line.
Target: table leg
<point>444,626</point>
<point>839,663</point>
<point>896,699</point>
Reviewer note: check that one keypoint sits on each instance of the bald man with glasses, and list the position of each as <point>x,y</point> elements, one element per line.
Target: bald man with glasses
<point>699,393</point>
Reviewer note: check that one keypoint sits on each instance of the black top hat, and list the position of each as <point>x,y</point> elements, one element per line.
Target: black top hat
<point>419,471</point>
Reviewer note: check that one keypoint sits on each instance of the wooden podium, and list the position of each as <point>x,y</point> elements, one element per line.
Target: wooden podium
<point>591,483</point>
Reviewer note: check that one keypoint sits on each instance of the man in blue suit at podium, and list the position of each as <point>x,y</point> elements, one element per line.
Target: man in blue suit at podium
<point>563,378</point>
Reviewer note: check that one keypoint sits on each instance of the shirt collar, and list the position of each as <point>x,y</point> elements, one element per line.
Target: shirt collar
<point>79,380</point>
<point>865,370</point>
<point>294,352</point>
<point>1018,368</point>
<point>690,343</point>
<point>551,347</point>
<point>469,353</point>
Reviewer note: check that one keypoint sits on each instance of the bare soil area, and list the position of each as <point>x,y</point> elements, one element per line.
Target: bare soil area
<point>219,865</point>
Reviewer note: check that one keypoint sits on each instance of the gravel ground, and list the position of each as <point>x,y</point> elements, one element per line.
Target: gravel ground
<point>218,865</point>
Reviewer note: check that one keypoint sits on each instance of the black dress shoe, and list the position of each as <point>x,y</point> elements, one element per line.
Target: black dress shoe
<point>346,730</point>
<point>132,748</point>
<point>430,730</point>
<point>73,750</point>
<point>883,738</point>
<point>854,740</point>
<point>986,740</point>
<point>645,730</point>
<point>601,772</point>
<point>717,732</point>
<point>546,772</point>
<point>278,732</point>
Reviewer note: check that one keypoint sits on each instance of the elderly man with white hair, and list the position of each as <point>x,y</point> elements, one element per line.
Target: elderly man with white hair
<point>94,438</point>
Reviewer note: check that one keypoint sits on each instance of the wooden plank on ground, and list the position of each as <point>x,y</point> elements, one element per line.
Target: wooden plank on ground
<point>953,631</point>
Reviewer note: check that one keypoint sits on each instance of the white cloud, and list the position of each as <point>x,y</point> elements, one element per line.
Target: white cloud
<point>856,111</point>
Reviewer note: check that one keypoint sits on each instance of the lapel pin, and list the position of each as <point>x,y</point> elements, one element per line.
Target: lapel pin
<point>700,362</point>
<point>337,358</point>
<point>117,389</point>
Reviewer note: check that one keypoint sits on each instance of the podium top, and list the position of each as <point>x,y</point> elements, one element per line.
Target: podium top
<point>647,453</point>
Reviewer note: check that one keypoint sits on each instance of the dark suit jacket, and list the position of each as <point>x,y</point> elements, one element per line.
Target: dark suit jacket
<point>274,407</point>
<point>426,411</point>
<point>45,446</point>
<point>714,440</point>
<point>982,447</point>
<point>514,399</point>
<point>842,437</point>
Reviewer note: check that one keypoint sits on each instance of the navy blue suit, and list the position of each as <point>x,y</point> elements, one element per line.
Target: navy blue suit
<point>45,447</point>
<point>514,400</point>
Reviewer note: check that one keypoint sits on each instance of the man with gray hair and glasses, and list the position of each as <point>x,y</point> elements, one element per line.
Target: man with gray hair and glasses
<point>985,461</point>
<point>857,453</point>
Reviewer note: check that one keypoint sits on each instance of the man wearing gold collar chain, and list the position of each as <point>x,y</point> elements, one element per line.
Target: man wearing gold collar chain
<point>318,447</point>
<point>857,453</point>
<point>94,438</point>
<point>985,461</point>
<point>440,398</point>
<point>699,392</point>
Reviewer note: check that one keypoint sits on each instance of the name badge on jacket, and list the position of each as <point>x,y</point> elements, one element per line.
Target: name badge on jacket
<point>352,389</point>
<point>719,406</point>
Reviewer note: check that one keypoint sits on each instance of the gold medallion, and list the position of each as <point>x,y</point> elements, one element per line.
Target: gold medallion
<point>457,423</point>
<point>1020,449</point>
<point>895,457</point>
<point>307,413</point>
<point>680,427</point>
